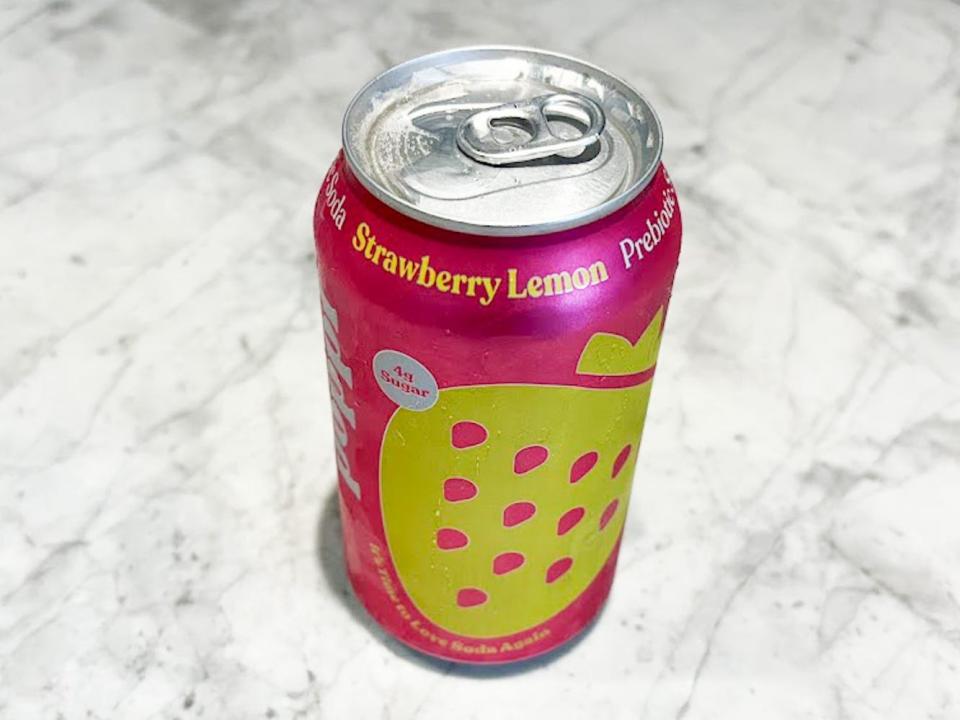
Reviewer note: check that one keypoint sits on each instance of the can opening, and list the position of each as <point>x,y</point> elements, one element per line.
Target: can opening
<point>563,127</point>
<point>555,125</point>
<point>512,131</point>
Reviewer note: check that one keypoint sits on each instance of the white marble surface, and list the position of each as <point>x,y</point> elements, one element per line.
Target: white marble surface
<point>168,538</point>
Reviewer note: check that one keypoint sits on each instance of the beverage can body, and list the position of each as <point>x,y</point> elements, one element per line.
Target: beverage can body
<point>489,392</point>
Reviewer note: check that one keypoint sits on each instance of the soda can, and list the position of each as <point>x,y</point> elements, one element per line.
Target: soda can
<point>496,245</point>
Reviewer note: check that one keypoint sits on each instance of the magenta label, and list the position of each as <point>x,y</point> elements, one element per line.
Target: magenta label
<point>489,395</point>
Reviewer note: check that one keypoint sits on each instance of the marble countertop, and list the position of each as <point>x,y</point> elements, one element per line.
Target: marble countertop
<point>169,539</point>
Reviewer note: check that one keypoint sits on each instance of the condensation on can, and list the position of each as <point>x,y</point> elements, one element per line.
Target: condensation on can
<point>501,141</point>
<point>496,246</point>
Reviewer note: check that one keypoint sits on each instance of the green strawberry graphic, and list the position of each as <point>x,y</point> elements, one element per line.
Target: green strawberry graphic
<point>502,502</point>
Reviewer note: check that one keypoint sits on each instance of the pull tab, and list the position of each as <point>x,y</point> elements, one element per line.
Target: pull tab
<point>477,135</point>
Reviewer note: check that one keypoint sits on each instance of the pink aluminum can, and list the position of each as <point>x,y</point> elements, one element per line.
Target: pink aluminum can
<point>496,244</point>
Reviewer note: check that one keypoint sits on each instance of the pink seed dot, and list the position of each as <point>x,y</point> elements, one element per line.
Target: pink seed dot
<point>559,569</point>
<point>518,512</point>
<point>468,597</point>
<point>506,562</point>
<point>466,434</point>
<point>621,460</point>
<point>457,489</point>
<point>530,457</point>
<point>608,513</point>
<point>451,539</point>
<point>582,465</point>
<point>569,520</point>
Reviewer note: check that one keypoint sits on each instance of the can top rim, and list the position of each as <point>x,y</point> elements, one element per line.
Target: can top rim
<point>564,222</point>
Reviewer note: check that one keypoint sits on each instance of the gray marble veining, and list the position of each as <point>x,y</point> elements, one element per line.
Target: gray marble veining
<point>168,533</point>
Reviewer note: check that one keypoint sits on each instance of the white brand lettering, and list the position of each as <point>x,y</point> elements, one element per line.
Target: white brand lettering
<point>344,416</point>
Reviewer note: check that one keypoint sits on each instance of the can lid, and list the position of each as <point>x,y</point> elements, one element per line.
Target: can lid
<point>501,140</point>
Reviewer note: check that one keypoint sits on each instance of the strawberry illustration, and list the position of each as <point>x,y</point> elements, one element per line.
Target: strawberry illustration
<point>503,502</point>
